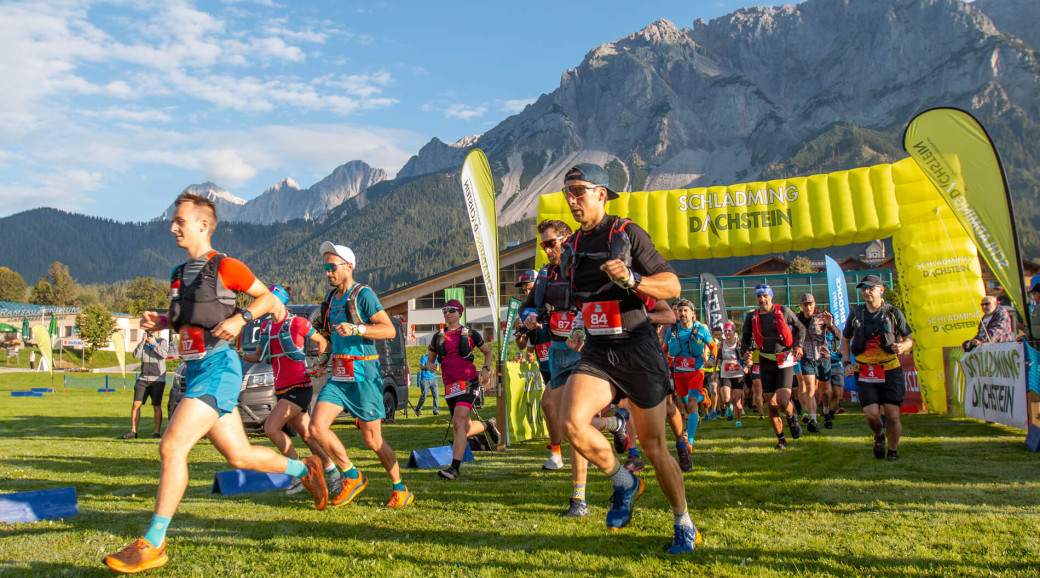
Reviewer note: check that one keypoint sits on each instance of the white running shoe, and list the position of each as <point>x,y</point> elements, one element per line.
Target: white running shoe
<point>554,462</point>
<point>295,488</point>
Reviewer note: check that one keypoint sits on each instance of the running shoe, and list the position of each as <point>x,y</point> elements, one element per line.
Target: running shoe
<point>554,462</point>
<point>622,505</point>
<point>685,463</point>
<point>314,481</point>
<point>400,498</point>
<point>578,509</point>
<point>686,539</point>
<point>828,421</point>
<point>131,435</point>
<point>350,490</point>
<point>879,446</point>
<point>729,413</point>
<point>841,409</point>
<point>634,463</point>
<point>812,426</point>
<point>780,445</point>
<point>137,557</point>
<point>435,412</point>
<point>714,415</point>
<point>892,455</point>
<point>295,487</point>
<point>738,424</point>
<point>805,416</point>
<point>796,430</point>
<point>492,430</point>
<point>621,435</point>
<point>418,412</point>
<point>449,473</point>
<point>157,435</point>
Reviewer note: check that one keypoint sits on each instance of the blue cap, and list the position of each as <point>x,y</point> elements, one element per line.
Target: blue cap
<point>280,293</point>
<point>763,290</point>
<point>594,174</point>
<point>527,277</point>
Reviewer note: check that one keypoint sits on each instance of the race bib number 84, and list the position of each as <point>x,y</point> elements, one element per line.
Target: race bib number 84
<point>602,318</point>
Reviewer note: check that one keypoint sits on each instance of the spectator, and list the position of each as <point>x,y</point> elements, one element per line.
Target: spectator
<point>995,326</point>
<point>427,384</point>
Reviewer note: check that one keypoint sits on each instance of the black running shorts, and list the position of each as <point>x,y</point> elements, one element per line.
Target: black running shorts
<point>732,382</point>
<point>146,388</point>
<point>891,392</point>
<point>775,378</point>
<point>299,395</point>
<point>635,367</point>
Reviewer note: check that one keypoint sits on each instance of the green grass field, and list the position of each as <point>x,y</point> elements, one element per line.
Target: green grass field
<point>964,500</point>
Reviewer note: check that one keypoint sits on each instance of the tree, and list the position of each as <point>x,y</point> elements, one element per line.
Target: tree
<point>800,266</point>
<point>60,291</point>
<point>95,326</point>
<point>12,286</point>
<point>144,293</point>
<point>894,294</point>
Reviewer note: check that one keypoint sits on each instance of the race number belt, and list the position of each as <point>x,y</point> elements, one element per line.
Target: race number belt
<point>785,359</point>
<point>192,344</point>
<point>343,366</point>
<point>871,373</point>
<point>542,351</point>
<point>455,388</point>
<point>684,364</point>
<point>561,323</point>
<point>602,318</point>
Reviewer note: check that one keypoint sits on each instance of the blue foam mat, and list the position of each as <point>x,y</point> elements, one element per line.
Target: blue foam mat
<point>38,505</point>
<point>438,457</point>
<point>106,390</point>
<point>26,394</point>
<point>42,390</point>
<point>232,482</point>
<point>1033,438</point>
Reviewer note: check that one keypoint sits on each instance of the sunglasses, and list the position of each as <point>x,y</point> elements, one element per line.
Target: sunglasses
<point>330,267</point>
<point>546,245</point>
<point>449,310</point>
<point>988,303</point>
<point>578,191</point>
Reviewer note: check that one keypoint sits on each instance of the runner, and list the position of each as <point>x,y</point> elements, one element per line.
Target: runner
<point>731,374</point>
<point>877,333</point>
<point>816,362</point>
<point>537,342</point>
<point>835,387</point>
<point>151,383</point>
<point>352,318</point>
<point>454,347</point>
<point>663,316</point>
<point>282,344</point>
<point>687,343</point>
<point>607,262</point>
<point>548,306</point>
<point>769,328</point>
<point>711,374</point>
<point>202,310</point>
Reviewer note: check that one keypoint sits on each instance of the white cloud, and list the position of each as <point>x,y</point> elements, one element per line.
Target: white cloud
<point>514,106</point>
<point>225,166</point>
<point>63,190</point>
<point>465,112</point>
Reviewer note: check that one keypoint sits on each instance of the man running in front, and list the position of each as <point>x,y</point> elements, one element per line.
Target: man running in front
<point>769,329</point>
<point>607,261</point>
<point>353,318</point>
<point>202,310</point>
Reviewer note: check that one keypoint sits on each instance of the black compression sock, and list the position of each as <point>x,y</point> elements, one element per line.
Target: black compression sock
<point>456,464</point>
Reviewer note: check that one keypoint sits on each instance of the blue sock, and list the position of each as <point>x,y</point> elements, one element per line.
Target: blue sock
<point>634,450</point>
<point>157,530</point>
<point>398,485</point>
<point>680,444</point>
<point>296,469</point>
<point>691,425</point>
<point>352,473</point>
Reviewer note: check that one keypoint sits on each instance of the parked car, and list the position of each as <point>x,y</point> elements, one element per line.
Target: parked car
<point>257,398</point>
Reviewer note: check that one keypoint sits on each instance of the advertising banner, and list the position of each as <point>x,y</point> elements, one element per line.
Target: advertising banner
<point>712,302</point>
<point>119,344</point>
<point>995,383</point>
<point>514,310</point>
<point>837,291</point>
<point>523,385</point>
<point>43,341</point>
<point>479,190</point>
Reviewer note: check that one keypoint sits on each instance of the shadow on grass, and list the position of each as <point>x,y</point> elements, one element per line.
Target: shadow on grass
<point>87,426</point>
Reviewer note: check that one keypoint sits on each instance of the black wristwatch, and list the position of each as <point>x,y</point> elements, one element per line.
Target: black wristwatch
<point>846,363</point>
<point>246,314</point>
<point>636,280</point>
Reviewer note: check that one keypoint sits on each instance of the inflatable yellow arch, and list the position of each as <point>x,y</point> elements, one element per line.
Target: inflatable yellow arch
<point>936,259</point>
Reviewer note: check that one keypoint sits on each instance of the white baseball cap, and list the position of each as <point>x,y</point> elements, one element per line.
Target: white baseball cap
<point>342,251</point>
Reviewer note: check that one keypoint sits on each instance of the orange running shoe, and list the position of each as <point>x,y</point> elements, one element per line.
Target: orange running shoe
<point>137,557</point>
<point>400,498</point>
<point>314,481</point>
<point>351,489</point>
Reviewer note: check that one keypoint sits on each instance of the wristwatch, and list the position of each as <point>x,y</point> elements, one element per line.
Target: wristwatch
<point>486,368</point>
<point>246,314</point>
<point>361,329</point>
<point>846,363</point>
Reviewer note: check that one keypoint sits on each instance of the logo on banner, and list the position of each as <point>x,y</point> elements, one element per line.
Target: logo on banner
<point>995,378</point>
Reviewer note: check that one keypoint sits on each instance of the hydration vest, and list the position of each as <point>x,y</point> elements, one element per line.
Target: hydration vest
<point>786,338</point>
<point>198,305</point>
<point>289,348</point>
<point>619,246</point>
<point>673,331</point>
<point>352,312</point>
<point>440,344</point>
<point>861,332</point>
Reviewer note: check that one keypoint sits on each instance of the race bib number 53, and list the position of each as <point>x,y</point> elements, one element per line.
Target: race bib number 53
<point>602,318</point>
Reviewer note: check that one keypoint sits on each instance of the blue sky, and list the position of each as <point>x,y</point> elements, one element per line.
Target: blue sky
<point>111,108</point>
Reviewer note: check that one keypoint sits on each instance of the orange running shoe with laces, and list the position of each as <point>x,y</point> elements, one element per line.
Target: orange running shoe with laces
<point>351,489</point>
<point>314,481</point>
<point>400,498</point>
<point>137,557</point>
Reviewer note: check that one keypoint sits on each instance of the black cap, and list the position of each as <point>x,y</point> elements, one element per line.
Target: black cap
<point>527,277</point>
<point>807,298</point>
<point>1035,289</point>
<point>870,281</point>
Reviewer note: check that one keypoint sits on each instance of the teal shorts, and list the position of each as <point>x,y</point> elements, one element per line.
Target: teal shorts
<point>218,376</point>
<point>562,360</point>
<point>363,399</point>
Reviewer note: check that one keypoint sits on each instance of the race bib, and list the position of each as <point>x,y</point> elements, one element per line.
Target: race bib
<point>542,351</point>
<point>602,318</point>
<point>872,373</point>
<point>454,388</point>
<point>785,359</point>
<point>342,368</point>
<point>730,366</point>
<point>561,323</point>
<point>754,369</point>
<point>685,364</point>
<point>192,344</point>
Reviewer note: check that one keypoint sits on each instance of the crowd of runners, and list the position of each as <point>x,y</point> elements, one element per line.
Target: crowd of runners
<point>622,358</point>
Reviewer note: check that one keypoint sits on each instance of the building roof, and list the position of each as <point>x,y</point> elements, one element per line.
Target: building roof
<point>769,264</point>
<point>12,309</point>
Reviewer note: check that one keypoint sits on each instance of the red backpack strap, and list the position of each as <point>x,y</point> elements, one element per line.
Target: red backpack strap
<point>756,330</point>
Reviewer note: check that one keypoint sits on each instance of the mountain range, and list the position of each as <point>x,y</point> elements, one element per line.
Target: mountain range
<point>760,93</point>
